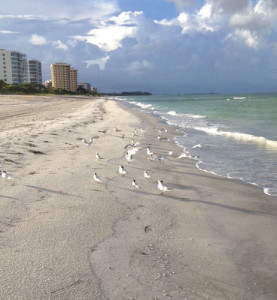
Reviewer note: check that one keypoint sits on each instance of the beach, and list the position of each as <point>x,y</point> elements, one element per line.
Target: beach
<point>65,236</point>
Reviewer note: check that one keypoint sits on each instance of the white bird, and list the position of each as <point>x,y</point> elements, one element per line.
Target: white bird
<point>96,178</point>
<point>116,129</point>
<point>5,175</point>
<point>146,175</point>
<point>134,132</point>
<point>88,143</point>
<point>148,151</point>
<point>97,156</point>
<point>122,171</point>
<point>133,151</point>
<point>162,187</point>
<point>170,152</point>
<point>129,157</point>
<point>135,185</point>
<point>159,138</point>
<point>163,130</point>
<point>135,144</point>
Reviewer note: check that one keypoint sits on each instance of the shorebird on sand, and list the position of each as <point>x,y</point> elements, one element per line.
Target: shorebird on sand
<point>96,178</point>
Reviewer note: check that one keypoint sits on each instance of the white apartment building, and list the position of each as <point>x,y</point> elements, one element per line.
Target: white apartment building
<point>16,69</point>
<point>34,71</point>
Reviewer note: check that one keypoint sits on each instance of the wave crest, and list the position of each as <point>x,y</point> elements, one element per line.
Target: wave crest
<point>239,136</point>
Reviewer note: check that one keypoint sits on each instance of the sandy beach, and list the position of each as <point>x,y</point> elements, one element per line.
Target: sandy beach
<point>65,236</point>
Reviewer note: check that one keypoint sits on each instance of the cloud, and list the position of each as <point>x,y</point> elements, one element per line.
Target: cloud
<point>109,34</point>
<point>8,32</point>
<point>60,9</point>
<point>180,4</point>
<point>239,19</point>
<point>101,62</point>
<point>59,45</point>
<point>139,66</point>
<point>37,40</point>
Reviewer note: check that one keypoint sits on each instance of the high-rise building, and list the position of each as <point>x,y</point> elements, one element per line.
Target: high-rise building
<point>12,66</point>
<point>73,80</point>
<point>63,77</point>
<point>16,69</point>
<point>34,71</point>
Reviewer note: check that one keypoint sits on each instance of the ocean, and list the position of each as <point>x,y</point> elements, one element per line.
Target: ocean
<point>234,136</point>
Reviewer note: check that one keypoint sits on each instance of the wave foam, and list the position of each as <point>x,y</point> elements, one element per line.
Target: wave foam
<point>239,136</point>
<point>172,113</point>
<point>195,116</point>
<point>143,105</point>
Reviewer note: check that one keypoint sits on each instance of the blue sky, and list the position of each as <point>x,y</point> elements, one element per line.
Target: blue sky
<point>160,46</point>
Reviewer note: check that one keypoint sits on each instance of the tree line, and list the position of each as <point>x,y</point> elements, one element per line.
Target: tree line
<point>33,88</point>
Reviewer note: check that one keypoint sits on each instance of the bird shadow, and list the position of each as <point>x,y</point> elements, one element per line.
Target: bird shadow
<point>208,203</point>
<point>8,197</point>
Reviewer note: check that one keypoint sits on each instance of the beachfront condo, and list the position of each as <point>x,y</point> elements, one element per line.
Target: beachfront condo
<point>63,77</point>
<point>16,69</point>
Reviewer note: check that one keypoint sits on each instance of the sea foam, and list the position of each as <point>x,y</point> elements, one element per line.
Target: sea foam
<point>239,136</point>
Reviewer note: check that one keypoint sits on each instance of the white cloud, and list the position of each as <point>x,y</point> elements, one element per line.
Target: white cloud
<point>37,40</point>
<point>181,3</point>
<point>25,17</point>
<point>8,32</point>
<point>109,34</point>
<point>246,36</point>
<point>101,62</point>
<point>139,66</point>
<point>59,45</point>
<point>242,22</point>
<point>60,9</point>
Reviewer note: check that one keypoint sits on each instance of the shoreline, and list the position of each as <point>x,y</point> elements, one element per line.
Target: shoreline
<point>66,237</point>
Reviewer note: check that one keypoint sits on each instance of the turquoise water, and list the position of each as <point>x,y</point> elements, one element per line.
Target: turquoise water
<point>229,135</point>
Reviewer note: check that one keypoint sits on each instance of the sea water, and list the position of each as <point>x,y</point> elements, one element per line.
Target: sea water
<point>229,135</point>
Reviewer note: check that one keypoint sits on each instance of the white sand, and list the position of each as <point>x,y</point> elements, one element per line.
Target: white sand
<point>64,236</point>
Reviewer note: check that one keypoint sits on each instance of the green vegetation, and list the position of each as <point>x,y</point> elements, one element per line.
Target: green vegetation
<point>32,88</point>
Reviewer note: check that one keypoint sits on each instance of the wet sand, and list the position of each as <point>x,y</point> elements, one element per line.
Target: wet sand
<point>64,236</point>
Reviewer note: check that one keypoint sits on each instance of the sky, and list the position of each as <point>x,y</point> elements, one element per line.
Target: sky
<point>158,46</point>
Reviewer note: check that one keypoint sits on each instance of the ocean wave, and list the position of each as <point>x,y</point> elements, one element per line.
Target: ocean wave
<point>195,116</point>
<point>269,191</point>
<point>143,105</point>
<point>239,136</point>
<point>197,146</point>
<point>239,98</point>
<point>172,113</point>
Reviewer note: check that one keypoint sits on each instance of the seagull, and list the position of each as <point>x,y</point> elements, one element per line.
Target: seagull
<point>123,136</point>
<point>134,132</point>
<point>135,144</point>
<point>122,171</point>
<point>146,175</point>
<point>116,129</point>
<point>96,178</point>
<point>162,187</point>
<point>5,175</point>
<point>133,151</point>
<point>97,156</point>
<point>88,143</point>
<point>129,157</point>
<point>148,151</point>
<point>170,152</point>
<point>135,185</point>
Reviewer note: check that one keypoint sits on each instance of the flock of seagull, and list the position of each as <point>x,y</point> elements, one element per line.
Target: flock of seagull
<point>129,158</point>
